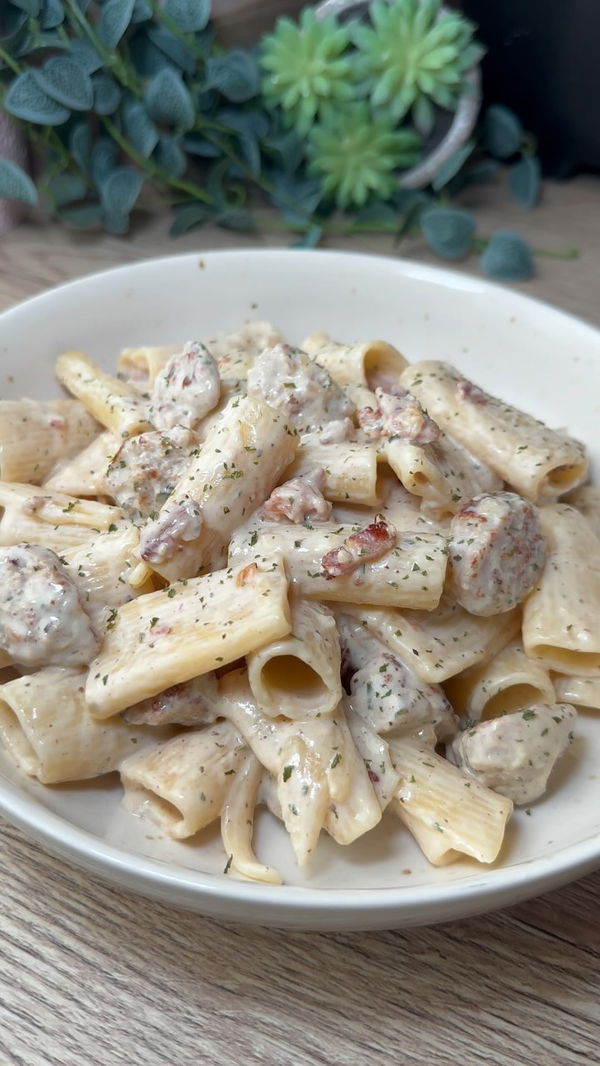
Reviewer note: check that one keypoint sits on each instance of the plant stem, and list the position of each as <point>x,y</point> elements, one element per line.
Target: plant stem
<point>148,165</point>
<point>112,60</point>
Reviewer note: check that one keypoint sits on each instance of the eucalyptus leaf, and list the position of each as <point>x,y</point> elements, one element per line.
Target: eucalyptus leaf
<point>52,14</point>
<point>452,165</point>
<point>115,17</point>
<point>116,222</point>
<point>251,120</point>
<point>120,190</point>
<point>188,217</point>
<point>190,15</point>
<point>139,127</point>
<point>310,239</point>
<point>296,196</point>
<point>104,158</point>
<point>168,100</point>
<point>80,145</point>
<point>482,171</point>
<point>82,216</point>
<point>83,53</point>
<point>524,181</point>
<point>142,11</point>
<point>13,24</point>
<point>171,46</point>
<point>237,218</point>
<point>448,231</point>
<point>42,42</point>
<point>27,100</point>
<point>15,184</point>
<point>234,74</point>
<point>502,131</point>
<point>30,7</point>
<point>147,59</point>
<point>64,81</point>
<point>107,94</point>
<point>377,214</point>
<point>507,258</point>
<point>288,148</point>
<point>66,188</point>
<point>170,157</point>
<point>215,182</point>
<point>196,144</point>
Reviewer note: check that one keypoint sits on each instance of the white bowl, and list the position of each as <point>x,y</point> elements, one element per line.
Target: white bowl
<point>532,355</point>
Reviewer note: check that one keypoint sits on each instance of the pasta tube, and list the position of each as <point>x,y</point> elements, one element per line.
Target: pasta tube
<point>434,795</point>
<point>508,682</point>
<point>371,363</point>
<point>100,569</point>
<point>85,473</point>
<point>47,729</point>
<point>444,474</point>
<point>237,824</point>
<point>145,363</point>
<point>34,436</point>
<point>587,500</point>
<point>350,470</point>
<point>443,642</point>
<point>538,462</point>
<point>299,675</point>
<point>560,617</point>
<point>322,782</point>
<point>410,574</point>
<point>234,471</point>
<point>183,783</point>
<point>582,691</point>
<point>166,637</point>
<point>53,520</point>
<point>114,403</point>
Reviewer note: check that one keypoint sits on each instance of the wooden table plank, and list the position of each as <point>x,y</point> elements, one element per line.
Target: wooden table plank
<point>92,976</point>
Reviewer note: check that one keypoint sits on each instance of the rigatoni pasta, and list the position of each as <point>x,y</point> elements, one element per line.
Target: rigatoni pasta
<point>307,544</point>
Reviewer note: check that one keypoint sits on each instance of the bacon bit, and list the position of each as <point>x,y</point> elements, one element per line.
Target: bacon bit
<point>373,776</point>
<point>364,546</point>
<point>246,576</point>
<point>299,499</point>
<point>57,422</point>
<point>467,390</point>
<point>398,414</point>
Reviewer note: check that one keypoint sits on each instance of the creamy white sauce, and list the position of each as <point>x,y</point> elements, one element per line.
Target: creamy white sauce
<point>515,754</point>
<point>42,619</point>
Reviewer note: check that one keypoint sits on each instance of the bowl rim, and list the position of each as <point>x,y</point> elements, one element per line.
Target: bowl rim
<point>195,888</point>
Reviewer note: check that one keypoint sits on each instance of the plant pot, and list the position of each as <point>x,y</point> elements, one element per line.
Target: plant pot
<point>450,132</point>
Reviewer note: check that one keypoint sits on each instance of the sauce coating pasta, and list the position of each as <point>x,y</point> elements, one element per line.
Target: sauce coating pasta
<point>274,629</point>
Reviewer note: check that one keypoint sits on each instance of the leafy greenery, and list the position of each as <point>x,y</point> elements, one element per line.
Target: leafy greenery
<point>320,120</point>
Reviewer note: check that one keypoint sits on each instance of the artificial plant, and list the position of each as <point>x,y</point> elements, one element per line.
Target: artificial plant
<point>319,119</point>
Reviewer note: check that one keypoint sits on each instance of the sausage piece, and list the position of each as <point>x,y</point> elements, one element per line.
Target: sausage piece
<point>146,469</point>
<point>299,500</point>
<point>390,696</point>
<point>287,379</point>
<point>515,753</point>
<point>190,703</point>
<point>496,551</point>
<point>187,388</point>
<point>42,619</point>
<point>398,414</point>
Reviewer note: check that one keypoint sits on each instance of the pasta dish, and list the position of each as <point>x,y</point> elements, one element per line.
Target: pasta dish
<point>320,579</point>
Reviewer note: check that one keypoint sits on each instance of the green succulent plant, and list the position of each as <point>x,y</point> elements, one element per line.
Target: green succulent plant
<point>412,56</point>
<point>304,68</point>
<point>356,155</point>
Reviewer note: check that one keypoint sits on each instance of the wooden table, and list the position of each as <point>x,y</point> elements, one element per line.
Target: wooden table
<point>92,976</point>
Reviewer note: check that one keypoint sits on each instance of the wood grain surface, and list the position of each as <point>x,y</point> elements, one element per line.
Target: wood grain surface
<point>92,976</point>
